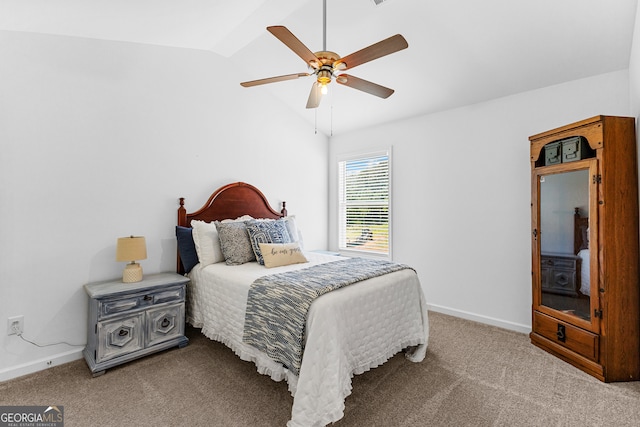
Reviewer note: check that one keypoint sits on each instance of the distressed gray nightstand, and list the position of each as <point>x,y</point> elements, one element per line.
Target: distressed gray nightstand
<point>131,320</point>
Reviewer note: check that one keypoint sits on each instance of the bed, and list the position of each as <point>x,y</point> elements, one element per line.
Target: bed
<point>581,249</point>
<point>347,331</point>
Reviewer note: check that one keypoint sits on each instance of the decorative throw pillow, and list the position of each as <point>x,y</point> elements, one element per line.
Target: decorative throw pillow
<point>205,237</point>
<point>279,254</point>
<point>234,242</point>
<point>265,231</point>
<point>186,248</point>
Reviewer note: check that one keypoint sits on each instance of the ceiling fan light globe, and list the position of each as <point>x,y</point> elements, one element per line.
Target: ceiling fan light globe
<point>324,77</point>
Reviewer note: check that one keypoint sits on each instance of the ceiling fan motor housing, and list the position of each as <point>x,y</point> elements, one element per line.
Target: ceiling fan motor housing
<point>324,68</point>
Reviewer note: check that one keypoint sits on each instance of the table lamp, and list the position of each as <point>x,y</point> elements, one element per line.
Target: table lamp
<point>131,249</point>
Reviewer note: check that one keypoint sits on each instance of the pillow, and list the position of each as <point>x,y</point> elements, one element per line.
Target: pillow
<point>264,231</point>
<point>186,248</point>
<point>205,237</point>
<point>234,242</point>
<point>294,232</point>
<point>292,229</point>
<point>279,254</point>
<point>240,218</point>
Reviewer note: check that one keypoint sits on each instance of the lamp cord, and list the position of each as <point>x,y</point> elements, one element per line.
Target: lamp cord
<point>48,345</point>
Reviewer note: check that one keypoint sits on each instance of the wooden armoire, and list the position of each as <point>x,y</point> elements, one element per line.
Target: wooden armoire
<point>585,256</point>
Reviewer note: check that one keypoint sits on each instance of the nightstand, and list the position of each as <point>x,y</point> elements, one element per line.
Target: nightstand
<point>131,320</point>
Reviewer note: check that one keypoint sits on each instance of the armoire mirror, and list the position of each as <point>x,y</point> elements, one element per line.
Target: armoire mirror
<point>564,257</point>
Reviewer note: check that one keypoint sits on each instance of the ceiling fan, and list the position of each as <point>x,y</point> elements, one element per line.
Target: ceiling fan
<point>327,65</point>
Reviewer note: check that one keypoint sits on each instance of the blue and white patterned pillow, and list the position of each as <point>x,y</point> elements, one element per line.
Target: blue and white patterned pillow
<point>266,231</point>
<point>234,242</point>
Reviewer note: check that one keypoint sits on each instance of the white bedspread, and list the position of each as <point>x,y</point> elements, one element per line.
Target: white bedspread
<point>585,272</point>
<point>349,331</point>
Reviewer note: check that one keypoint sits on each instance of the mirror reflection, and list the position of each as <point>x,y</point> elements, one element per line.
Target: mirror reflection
<point>564,243</point>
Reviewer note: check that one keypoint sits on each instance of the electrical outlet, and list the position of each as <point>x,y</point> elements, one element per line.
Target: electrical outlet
<point>15,325</point>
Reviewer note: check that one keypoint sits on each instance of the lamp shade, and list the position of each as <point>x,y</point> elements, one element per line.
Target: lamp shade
<point>131,249</point>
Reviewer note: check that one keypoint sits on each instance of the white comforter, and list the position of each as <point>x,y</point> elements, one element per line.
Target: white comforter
<point>585,272</point>
<point>349,331</point>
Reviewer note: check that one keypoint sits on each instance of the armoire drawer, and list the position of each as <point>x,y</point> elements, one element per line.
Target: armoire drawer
<point>571,337</point>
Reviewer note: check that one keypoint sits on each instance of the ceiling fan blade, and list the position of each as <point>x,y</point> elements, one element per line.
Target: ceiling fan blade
<point>292,42</point>
<point>274,79</point>
<point>375,51</point>
<point>315,96</point>
<point>364,85</point>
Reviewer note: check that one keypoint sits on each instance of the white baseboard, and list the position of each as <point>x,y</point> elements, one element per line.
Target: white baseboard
<point>525,329</point>
<point>40,365</point>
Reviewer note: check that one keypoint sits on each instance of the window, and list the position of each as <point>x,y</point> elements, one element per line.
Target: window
<point>364,201</point>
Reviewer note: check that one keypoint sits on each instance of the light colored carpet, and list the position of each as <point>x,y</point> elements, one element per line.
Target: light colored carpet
<point>473,375</point>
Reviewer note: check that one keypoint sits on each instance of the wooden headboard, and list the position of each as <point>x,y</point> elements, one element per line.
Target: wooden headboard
<point>230,201</point>
<point>580,232</point>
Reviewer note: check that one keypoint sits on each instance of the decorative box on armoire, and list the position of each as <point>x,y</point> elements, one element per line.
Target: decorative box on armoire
<point>585,259</point>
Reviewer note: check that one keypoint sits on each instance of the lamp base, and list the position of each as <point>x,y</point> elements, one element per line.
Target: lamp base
<point>132,273</point>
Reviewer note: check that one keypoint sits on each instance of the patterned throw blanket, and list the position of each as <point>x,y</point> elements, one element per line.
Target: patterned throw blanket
<point>277,304</point>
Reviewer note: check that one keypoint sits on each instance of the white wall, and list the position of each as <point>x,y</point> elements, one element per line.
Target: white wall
<point>461,193</point>
<point>634,76</point>
<point>98,140</point>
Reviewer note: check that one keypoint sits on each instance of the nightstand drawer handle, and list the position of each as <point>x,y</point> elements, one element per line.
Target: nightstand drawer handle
<point>123,332</point>
<point>147,298</point>
<point>165,322</point>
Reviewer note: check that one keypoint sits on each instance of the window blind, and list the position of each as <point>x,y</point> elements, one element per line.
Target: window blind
<point>364,193</point>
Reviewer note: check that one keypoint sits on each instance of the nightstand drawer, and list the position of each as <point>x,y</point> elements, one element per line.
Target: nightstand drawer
<point>169,296</point>
<point>120,336</point>
<point>164,323</point>
<point>117,305</point>
<point>558,262</point>
<point>559,273</point>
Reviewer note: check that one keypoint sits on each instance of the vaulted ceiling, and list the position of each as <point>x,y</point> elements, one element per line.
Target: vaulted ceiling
<point>460,52</point>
